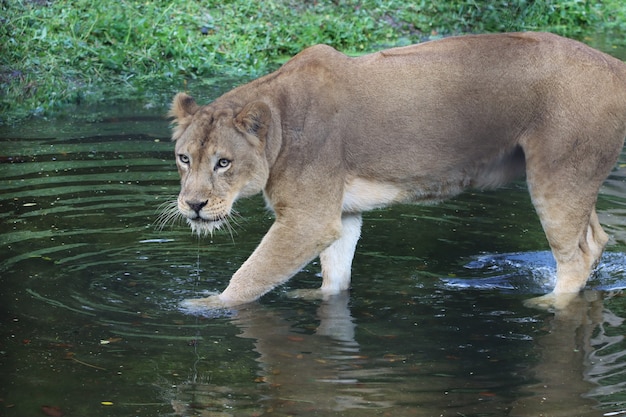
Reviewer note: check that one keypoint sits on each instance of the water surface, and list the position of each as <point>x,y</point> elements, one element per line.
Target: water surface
<point>434,324</point>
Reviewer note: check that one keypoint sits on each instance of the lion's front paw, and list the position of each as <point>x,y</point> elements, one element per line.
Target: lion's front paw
<point>199,305</point>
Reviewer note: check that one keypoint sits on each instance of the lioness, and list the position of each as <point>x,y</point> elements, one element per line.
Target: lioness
<point>328,136</point>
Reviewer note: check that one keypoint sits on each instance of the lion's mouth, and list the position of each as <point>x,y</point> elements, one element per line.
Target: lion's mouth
<point>202,220</point>
<point>203,226</point>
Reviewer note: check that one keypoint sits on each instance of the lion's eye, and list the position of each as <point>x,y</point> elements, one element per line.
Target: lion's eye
<point>184,159</point>
<point>222,163</point>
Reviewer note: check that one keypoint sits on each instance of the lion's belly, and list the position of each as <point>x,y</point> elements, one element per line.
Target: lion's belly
<point>363,195</point>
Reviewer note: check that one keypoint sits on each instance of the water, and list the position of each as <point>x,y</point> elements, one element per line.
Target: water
<point>434,325</point>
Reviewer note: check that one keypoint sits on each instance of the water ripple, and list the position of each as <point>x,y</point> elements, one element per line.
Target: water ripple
<point>533,272</point>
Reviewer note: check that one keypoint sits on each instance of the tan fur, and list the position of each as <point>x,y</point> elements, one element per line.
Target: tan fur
<point>328,136</point>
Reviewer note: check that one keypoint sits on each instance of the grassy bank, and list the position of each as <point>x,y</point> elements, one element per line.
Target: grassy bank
<point>55,53</point>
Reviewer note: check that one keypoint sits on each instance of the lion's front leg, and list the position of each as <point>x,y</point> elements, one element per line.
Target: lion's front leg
<point>286,248</point>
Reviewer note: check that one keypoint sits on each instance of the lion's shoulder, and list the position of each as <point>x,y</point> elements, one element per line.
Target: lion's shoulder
<point>316,56</point>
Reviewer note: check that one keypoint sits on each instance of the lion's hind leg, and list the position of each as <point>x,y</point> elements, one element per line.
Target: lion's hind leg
<point>566,208</point>
<point>576,255</point>
<point>575,264</point>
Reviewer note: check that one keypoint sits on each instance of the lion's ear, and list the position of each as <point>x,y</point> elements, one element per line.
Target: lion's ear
<point>254,119</point>
<point>183,107</point>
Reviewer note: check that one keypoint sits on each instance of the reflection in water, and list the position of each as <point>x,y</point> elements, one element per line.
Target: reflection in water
<point>313,372</point>
<point>575,356</point>
<point>299,372</point>
<point>325,373</point>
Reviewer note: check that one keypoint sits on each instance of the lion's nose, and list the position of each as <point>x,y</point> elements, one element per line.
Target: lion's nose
<point>197,205</point>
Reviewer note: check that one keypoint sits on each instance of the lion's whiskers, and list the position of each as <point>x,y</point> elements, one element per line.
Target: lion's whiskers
<point>169,214</point>
<point>233,218</point>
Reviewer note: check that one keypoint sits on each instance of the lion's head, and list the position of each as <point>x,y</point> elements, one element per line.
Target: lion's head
<point>220,154</point>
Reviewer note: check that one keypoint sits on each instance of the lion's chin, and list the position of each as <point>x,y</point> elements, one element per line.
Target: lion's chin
<point>203,227</point>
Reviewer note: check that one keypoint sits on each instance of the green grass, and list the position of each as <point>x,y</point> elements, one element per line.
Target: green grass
<point>55,53</point>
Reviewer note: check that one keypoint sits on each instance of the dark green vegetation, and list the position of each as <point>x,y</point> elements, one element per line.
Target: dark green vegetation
<point>54,53</point>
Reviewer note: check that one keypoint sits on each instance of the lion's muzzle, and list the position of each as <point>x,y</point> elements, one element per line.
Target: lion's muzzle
<point>196,206</point>
<point>204,216</point>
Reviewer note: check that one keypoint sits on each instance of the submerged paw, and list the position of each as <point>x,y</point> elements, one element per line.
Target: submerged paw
<point>199,305</point>
<point>314,294</point>
<point>552,301</point>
